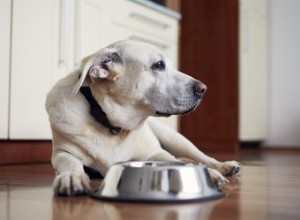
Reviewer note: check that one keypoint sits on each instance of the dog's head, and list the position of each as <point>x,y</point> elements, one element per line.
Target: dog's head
<point>138,75</point>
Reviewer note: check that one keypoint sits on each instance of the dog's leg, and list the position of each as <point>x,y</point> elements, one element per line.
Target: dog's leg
<point>70,176</point>
<point>164,156</point>
<point>218,179</point>
<point>179,146</point>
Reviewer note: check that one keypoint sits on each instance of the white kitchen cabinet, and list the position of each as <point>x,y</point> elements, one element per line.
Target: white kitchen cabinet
<point>45,47</point>
<point>5,21</point>
<point>50,37</point>
<point>253,70</point>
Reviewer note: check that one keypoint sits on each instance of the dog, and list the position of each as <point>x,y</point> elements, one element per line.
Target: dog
<point>104,112</point>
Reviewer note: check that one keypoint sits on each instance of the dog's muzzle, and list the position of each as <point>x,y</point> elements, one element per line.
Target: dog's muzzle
<point>185,103</point>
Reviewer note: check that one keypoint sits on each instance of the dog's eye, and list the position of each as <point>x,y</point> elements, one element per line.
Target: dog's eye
<point>159,65</point>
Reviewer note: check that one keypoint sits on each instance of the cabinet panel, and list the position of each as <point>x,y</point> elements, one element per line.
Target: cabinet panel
<point>144,19</point>
<point>35,31</point>
<point>96,25</point>
<point>5,15</point>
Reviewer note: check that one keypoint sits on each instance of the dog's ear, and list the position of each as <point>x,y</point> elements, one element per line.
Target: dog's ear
<point>107,65</point>
<point>108,68</point>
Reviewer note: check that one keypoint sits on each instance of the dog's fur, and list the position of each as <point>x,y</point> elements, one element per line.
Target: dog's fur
<point>131,81</point>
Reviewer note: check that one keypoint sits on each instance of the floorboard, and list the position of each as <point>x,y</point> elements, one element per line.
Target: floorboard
<point>268,188</point>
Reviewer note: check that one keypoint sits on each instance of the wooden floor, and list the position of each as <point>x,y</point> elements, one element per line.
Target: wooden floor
<point>268,188</point>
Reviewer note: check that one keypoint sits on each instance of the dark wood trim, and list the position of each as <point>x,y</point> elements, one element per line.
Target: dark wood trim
<point>16,152</point>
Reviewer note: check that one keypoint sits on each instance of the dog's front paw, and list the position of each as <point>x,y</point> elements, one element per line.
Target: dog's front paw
<point>230,168</point>
<point>71,183</point>
<point>218,179</point>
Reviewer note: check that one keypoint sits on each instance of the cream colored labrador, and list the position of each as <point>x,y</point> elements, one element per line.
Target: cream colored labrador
<point>100,115</point>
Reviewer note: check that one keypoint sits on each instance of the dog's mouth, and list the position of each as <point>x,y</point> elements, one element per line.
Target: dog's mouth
<point>164,114</point>
<point>167,114</point>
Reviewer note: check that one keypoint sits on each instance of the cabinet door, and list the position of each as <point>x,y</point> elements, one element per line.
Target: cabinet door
<point>95,27</point>
<point>35,31</point>
<point>5,9</point>
<point>142,19</point>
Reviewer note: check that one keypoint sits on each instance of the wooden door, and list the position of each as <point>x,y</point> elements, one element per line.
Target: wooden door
<point>209,52</point>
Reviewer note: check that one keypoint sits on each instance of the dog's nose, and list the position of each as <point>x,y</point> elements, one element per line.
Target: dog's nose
<point>199,88</point>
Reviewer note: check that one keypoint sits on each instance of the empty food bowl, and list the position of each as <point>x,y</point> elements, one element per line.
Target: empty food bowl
<point>153,181</point>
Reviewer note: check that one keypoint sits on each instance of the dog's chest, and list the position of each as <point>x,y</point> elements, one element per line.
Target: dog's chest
<point>140,144</point>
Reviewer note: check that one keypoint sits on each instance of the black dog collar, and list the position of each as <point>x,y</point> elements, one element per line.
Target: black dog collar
<point>97,112</point>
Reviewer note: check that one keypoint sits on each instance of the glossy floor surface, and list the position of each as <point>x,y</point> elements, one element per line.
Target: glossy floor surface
<point>268,188</point>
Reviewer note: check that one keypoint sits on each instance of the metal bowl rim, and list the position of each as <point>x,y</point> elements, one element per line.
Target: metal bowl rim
<point>157,164</point>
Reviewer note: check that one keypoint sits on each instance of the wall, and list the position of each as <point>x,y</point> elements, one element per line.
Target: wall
<point>284,73</point>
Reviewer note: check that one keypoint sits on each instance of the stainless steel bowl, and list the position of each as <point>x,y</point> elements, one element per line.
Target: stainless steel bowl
<point>152,181</point>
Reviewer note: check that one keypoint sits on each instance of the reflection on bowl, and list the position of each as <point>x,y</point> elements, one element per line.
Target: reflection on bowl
<point>153,181</point>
